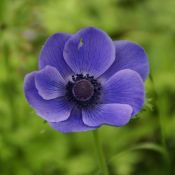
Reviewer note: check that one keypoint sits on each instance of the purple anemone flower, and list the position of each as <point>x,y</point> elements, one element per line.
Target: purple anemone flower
<point>86,80</point>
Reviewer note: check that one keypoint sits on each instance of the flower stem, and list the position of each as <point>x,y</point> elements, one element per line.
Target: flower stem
<point>162,124</point>
<point>100,153</point>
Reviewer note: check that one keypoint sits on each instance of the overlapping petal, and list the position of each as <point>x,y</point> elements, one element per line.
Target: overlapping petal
<point>52,54</point>
<point>89,51</point>
<point>124,87</point>
<point>49,83</point>
<point>110,114</point>
<point>73,124</point>
<point>128,55</point>
<point>51,110</point>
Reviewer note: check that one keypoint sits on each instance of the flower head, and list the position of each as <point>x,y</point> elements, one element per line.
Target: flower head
<point>86,80</point>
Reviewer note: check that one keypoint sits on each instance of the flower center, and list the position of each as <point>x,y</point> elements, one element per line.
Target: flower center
<point>83,90</point>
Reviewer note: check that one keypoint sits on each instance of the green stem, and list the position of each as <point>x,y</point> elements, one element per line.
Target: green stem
<point>162,123</point>
<point>100,153</point>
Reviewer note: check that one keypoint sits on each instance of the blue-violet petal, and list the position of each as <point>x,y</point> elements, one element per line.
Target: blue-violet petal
<point>73,124</point>
<point>49,83</point>
<point>129,55</point>
<point>51,110</point>
<point>110,114</point>
<point>125,87</point>
<point>89,51</point>
<point>52,54</point>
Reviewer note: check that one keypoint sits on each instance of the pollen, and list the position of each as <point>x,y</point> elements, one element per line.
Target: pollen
<point>83,90</point>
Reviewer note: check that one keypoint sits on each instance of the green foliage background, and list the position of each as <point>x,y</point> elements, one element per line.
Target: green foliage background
<point>28,146</point>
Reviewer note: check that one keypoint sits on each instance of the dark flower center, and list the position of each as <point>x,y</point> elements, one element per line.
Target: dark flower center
<point>83,90</point>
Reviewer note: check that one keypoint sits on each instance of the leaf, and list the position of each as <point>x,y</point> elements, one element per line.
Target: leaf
<point>145,146</point>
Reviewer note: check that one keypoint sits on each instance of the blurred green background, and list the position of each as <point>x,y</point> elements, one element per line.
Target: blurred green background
<point>28,146</point>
